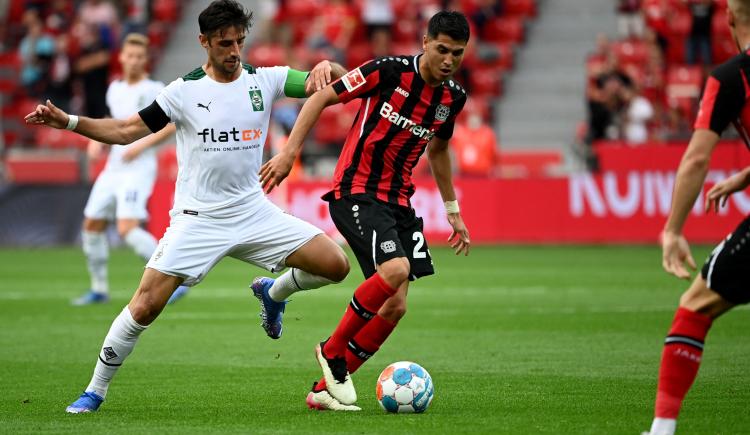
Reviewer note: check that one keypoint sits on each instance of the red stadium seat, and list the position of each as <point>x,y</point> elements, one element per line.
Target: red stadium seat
<point>267,55</point>
<point>59,139</point>
<point>486,82</point>
<point>42,167</point>
<point>166,10</point>
<point>531,164</point>
<point>630,51</point>
<point>358,54</point>
<point>525,8</point>
<point>335,122</point>
<point>684,81</point>
<point>504,29</point>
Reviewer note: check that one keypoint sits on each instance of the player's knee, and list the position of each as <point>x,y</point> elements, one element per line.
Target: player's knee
<point>123,228</point>
<point>339,268</point>
<point>144,307</point>
<point>93,225</point>
<point>395,272</point>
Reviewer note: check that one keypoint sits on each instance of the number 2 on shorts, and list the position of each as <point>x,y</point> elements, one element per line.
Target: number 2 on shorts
<point>419,238</point>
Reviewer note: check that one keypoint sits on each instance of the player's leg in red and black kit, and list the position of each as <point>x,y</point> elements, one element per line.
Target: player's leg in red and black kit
<point>724,282</point>
<point>390,249</point>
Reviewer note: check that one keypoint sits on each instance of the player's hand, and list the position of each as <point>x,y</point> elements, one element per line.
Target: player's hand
<point>95,149</point>
<point>320,77</point>
<point>721,191</point>
<point>273,172</point>
<point>459,239</point>
<point>675,253</point>
<point>47,114</point>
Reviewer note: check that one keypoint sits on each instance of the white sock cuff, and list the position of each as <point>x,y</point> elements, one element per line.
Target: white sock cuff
<point>307,281</point>
<point>130,322</point>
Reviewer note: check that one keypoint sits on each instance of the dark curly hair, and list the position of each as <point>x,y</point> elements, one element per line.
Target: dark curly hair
<point>223,14</point>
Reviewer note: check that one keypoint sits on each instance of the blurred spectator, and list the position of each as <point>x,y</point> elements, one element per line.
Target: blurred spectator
<point>637,112</point>
<point>656,14</point>
<point>476,148</point>
<point>699,41</point>
<point>333,29</point>
<point>486,11</point>
<point>137,17</point>
<point>103,15</point>
<point>603,50</point>
<point>676,126</point>
<point>60,17</point>
<point>377,16</point>
<point>36,51</point>
<point>604,103</point>
<point>93,69</point>
<point>60,88</point>
<point>629,19</point>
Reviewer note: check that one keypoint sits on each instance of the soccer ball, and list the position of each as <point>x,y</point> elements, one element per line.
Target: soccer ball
<point>404,387</point>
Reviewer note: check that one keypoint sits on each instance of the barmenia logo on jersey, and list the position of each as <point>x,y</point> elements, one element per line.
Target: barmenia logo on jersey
<point>256,98</point>
<point>386,111</point>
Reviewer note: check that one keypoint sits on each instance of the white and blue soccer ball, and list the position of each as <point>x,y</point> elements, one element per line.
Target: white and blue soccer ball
<point>405,387</point>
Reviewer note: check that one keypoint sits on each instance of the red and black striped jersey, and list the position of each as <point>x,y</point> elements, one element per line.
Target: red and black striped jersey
<point>399,114</point>
<point>726,98</point>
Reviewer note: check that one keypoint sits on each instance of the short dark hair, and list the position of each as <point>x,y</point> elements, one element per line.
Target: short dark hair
<point>223,14</point>
<point>450,23</point>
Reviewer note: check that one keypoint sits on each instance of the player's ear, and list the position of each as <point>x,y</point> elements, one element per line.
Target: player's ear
<point>203,40</point>
<point>730,17</point>
<point>425,39</point>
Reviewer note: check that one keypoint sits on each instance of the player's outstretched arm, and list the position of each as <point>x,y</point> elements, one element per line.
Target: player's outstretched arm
<point>721,191</point>
<point>108,130</point>
<point>273,172</point>
<point>440,163</point>
<point>688,184</point>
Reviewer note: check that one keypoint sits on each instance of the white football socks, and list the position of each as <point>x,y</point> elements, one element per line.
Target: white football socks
<point>118,344</point>
<point>142,242</point>
<point>97,255</point>
<point>663,426</point>
<point>294,280</point>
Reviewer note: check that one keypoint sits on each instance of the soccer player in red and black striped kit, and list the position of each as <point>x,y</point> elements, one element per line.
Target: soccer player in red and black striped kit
<point>724,281</point>
<point>408,104</point>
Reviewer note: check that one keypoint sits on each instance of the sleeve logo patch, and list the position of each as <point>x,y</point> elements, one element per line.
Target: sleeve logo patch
<point>353,80</point>
<point>442,112</point>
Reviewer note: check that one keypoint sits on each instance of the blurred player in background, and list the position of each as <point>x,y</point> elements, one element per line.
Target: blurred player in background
<point>724,281</point>
<point>408,103</point>
<point>222,111</point>
<point>122,190</point>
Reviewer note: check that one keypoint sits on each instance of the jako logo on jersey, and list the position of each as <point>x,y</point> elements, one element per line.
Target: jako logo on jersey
<point>386,111</point>
<point>402,92</point>
<point>233,134</point>
<point>353,79</point>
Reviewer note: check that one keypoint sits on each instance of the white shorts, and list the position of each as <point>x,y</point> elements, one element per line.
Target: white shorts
<point>121,195</point>
<point>193,244</point>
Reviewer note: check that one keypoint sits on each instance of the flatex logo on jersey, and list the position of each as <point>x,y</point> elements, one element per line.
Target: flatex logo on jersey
<point>211,136</point>
<point>387,112</point>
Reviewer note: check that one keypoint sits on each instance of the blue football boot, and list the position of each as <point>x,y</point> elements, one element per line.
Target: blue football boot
<point>88,402</point>
<point>271,312</point>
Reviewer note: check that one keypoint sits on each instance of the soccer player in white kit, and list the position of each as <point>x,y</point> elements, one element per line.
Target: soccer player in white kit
<point>123,188</point>
<point>221,111</point>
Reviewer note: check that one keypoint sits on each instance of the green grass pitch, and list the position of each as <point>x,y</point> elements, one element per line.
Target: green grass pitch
<point>537,340</point>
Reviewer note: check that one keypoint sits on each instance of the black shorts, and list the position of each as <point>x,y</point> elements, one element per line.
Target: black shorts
<point>378,231</point>
<point>727,269</point>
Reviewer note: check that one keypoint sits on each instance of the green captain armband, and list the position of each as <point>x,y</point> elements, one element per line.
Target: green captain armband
<point>295,83</point>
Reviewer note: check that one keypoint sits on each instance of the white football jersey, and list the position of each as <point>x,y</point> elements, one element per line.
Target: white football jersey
<point>124,100</point>
<point>221,130</point>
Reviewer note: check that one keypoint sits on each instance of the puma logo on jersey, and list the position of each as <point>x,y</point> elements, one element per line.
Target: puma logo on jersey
<point>205,107</point>
<point>402,92</point>
<point>386,111</point>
